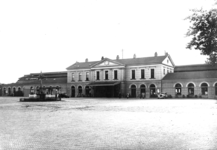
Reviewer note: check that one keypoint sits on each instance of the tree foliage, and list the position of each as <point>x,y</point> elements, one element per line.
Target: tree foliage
<point>203,31</point>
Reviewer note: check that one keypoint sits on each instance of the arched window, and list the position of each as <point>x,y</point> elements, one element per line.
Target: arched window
<point>14,90</point>
<point>204,89</point>
<point>9,91</point>
<point>142,88</point>
<point>72,91</point>
<point>133,91</point>
<point>5,91</point>
<point>19,89</point>
<point>80,89</point>
<point>190,89</point>
<point>178,89</point>
<point>152,90</point>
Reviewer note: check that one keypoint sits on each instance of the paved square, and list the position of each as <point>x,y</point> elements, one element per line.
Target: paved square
<point>108,124</point>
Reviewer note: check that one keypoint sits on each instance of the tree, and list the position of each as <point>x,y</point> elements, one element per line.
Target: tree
<point>203,31</point>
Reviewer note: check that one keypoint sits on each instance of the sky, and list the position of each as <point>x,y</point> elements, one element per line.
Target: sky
<point>50,35</point>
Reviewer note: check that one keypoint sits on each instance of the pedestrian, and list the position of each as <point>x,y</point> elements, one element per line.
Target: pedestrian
<point>119,95</point>
<point>143,95</point>
<point>128,95</point>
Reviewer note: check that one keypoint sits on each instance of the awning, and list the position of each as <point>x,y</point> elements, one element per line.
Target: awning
<point>103,83</point>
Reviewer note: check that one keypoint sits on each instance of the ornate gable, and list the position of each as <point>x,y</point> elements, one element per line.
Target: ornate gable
<point>168,61</point>
<point>107,63</point>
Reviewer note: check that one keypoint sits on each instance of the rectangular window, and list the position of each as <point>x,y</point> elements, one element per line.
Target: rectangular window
<point>133,74</point>
<point>73,77</point>
<point>142,74</point>
<point>115,75</point>
<point>152,73</point>
<point>97,75</point>
<point>79,76</point>
<point>167,70</point>
<point>106,75</point>
<point>164,72</point>
<point>87,76</point>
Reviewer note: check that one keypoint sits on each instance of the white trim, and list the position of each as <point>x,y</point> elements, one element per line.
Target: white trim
<point>151,84</point>
<point>143,84</point>
<point>189,83</point>
<point>75,70</point>
<point>204,82</point>
<point>108,67</point>
<point>144,66</point>
<point>72,86</point>
<point>131,85</point>
<point>86,86</point>
<point>79,85</point>
<point>178,83</point>
<point>214,84</point>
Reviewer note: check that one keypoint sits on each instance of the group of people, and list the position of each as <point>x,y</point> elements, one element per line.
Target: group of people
<point>142,95</point>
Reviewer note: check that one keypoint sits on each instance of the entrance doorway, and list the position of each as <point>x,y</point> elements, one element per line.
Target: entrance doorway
<point>87,91</point>
<point>153,90</point>
<point>72,91</point>
<point>142,90</point>
<point>133,91</point>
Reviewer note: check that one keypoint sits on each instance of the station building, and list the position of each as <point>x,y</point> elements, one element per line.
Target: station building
<point>111,77</point>
<point>114,77</point>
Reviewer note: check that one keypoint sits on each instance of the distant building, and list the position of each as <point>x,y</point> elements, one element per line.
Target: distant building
<point>121,77</point>
<point>30,83</point>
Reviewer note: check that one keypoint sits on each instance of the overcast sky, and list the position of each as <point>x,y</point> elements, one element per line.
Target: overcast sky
<point>50,35</point>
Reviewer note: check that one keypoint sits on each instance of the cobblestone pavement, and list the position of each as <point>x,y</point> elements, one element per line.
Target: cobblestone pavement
<point>108,124</point>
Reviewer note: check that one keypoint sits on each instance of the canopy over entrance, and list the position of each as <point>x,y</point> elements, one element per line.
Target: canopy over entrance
<point>103,83</point>
<point>105,89</point>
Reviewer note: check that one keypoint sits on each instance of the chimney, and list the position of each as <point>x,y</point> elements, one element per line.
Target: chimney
<point>134,56</point>
<point>155,54</point>
<point>117,57</point>
<point>86,60</point>
<point>102,58</point>
<point>166,53</point>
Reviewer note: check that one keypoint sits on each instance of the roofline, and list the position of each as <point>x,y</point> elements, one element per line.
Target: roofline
<point>96,62</point>
<point>193,65</point>
<point>49,72</point>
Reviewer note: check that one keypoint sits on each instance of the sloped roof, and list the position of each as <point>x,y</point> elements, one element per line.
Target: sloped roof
<point>127,62</point>
<point>197,67</point>
<point>191,75</point>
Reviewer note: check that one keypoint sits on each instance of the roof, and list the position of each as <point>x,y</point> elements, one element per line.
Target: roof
<point>126,62</point>
<point>103,83</point>
<point>197,67</point>
<point>191,75</point>
<point>44,81</point>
